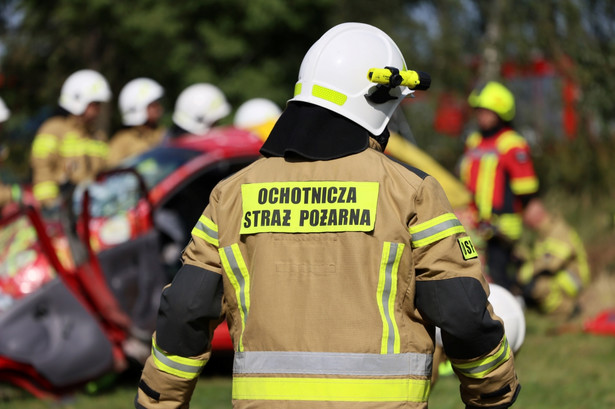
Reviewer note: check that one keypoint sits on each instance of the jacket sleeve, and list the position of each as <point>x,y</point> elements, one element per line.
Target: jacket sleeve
<point>190,310</point>
<point>45,160</point>
<point>451,293</point>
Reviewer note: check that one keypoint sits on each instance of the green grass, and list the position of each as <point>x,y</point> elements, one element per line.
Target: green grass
<point>569,371</point>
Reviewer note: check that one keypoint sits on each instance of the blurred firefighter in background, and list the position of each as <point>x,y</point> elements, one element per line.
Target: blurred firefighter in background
<point>8,192</point>
<point>66,149</point>
<point>555,268</point>
<point>497,168</point>
<point>141,110</point>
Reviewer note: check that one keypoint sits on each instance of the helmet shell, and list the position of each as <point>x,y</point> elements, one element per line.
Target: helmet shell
<point>333,74</point>
<point>134,98</point>
<point>82,88</point>
<point>5,113</point>
<point>199,106</point>
<point>255,112</point>
<point>494,97</point>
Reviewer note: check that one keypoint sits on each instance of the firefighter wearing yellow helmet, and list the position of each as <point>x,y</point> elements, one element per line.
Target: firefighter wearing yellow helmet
<point>67,149</point>
<point>330,262</point>
<point>497,168</point>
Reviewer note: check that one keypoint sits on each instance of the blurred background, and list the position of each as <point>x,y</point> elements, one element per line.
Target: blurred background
<point>558,58</point>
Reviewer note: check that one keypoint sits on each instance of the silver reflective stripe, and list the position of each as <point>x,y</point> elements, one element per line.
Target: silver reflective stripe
<point>332,363</point>
<point>230,256</point>
<point>386,294</point>
<point>209,231</point>
<point>438,228</point>
<point>175,365</point>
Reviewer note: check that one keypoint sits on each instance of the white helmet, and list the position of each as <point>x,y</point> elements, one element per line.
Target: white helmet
<point>334,71</point>
<point>81,88</point>
<point>255,112</point>
<point>135,97</point>
<point>199,106</point>
<point>505,306</point>
<point>5,113</point>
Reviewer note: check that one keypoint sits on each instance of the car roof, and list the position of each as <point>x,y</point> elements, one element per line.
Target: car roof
<point>226,141</point>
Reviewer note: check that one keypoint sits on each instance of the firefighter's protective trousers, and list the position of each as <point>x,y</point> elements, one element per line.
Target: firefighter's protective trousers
<point>331,275</point>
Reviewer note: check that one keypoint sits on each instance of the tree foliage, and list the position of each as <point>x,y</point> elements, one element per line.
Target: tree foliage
<point>253,48</point>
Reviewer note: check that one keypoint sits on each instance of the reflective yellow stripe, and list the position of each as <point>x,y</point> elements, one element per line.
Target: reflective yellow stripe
<point>297,88</point>
<point>73,145</point>
<point>508,224</point>
<point>97,148</point>
<point>524,186</point>
<point>329,95</point>
<point>237,273</point>
<point>464,170</point>
<point>510,140</point>
<point>553,299</point>
<point>555,247</point>
<point>435,229</point>
<point>186,368</point>
<point>331,389</point>
<point>568,282</point>
<point>482,367</point>
<point>485,185</point>
<point>44,144</point>
<point>206,230</point>
<point>46,190</point>
<point>387,290</point>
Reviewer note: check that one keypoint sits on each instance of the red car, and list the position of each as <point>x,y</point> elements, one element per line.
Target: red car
<point>73,291</point>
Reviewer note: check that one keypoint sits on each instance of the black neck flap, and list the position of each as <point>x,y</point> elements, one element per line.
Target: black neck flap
<point>311,132</point>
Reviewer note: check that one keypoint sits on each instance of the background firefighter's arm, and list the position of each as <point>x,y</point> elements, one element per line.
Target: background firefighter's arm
<point>451,293</point>
<point>45,160</point>
<point>190,310</point>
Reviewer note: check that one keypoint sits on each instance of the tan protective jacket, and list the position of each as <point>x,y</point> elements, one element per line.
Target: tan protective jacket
<point>133,141</point>
<point>557,269</point>
<point>65,151</point>
<point>334,273</point>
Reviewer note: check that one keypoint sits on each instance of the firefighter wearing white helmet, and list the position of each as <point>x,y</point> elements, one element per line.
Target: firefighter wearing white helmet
<point>257,115</point>
<point>141,110</point>
<point>198,108</point>
<point>67,149</point>
<point>330,262</point>
<point>8,192</point>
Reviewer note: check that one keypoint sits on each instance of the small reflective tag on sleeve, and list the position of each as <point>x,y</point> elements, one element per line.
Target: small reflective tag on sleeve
<point>467,248</point>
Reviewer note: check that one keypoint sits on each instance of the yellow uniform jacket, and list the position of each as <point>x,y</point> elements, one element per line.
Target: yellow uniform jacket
<point>133,141</point>
<point>331,275</point>
<point>64,151</point>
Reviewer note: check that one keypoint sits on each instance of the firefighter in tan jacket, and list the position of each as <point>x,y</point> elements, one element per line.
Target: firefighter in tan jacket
<point>141,110</point>
<point>556,269</point>
<point>330,262</point>
<point>65,149</point>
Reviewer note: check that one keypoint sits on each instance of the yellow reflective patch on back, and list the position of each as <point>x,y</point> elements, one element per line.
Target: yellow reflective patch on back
<point>309,207</point>
<point>467,248</point>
